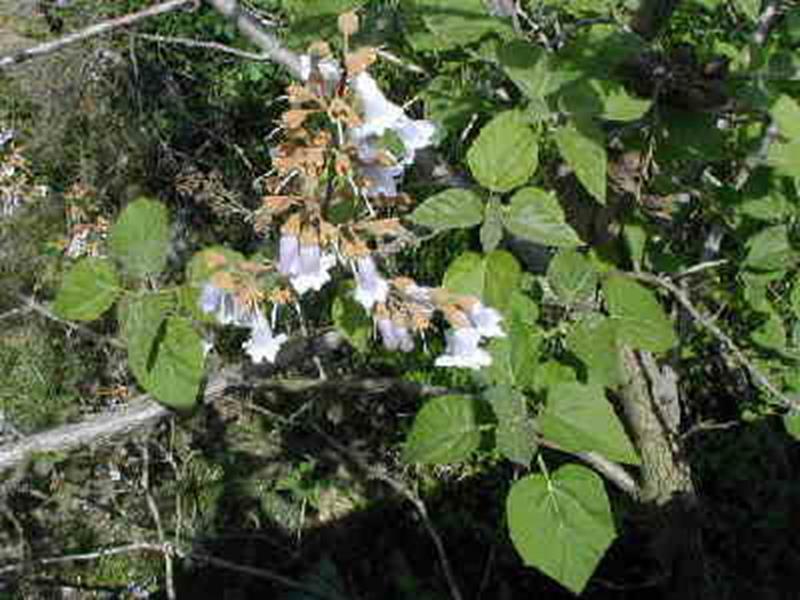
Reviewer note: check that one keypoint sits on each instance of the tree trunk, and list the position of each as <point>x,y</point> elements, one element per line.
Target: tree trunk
<point>668,494</point>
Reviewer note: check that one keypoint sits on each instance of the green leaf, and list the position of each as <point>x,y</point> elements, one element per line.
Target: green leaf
<point>515,435</point>
<point>594,341</point>
<point>791,422</point>
<point>532,70</point>
<point>583,146</point>
<point>572,276</point>
<point>89,288</point>
<point>579,418</point>
<point>770,250</point>
<point>640,320</point>
<point>751,8</point>
<point>165,353</point>
<point>492,229</point>
<point>450,209</point>
<point>619,105</point>
<point>786,113</point>
<point>771,334</point>
<point>351,320</point>
<point>460,22</point>
<point>451,106</point>
<point>537,216</point>
<point>506,153</point>
<point>139,240</point>
<point>785,158</point>
<point>493,278</point>
<point>562,525</point>
<point>515,357</point>
<point>445,431</point>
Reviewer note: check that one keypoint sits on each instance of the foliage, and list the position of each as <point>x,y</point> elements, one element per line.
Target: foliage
<point>616,160</point>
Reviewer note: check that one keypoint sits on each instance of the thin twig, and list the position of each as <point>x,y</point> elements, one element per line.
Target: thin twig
<point>611,470</point>
<point>86,556</point>
<point>94,30</point>
<point>712,328</point>
<point>33,305</point>
<point>154,512</point>
<point>401,489</point>
<point>165,39</point>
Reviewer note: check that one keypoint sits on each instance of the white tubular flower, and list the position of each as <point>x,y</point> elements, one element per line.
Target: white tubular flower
<point>463,351</point>
<point>313,267</point>
<point>486,320</point>
<point>379,114</point>
<point>288,255</point>
<point>394,335</point>
<point>226,308</point>
<point>371,287</point>
<point>381,181</point>
<point>328,68</point>
<point>263,343</point>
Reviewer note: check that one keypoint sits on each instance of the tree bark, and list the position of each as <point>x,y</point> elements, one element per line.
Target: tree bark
<point>668,494</point>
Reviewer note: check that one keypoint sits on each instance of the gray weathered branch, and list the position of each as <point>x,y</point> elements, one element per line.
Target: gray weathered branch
<point>94,30</point>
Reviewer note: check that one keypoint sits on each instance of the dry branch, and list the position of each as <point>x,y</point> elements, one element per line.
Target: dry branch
<point>94,30</point>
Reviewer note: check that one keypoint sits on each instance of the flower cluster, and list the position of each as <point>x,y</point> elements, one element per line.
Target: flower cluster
<point>16,178</point>
<point>337,171</point>
<point>231,308</point>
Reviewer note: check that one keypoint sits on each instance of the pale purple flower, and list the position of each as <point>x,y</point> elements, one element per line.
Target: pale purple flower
<point>463,350</point>
<point>394,335</point>
<point>313,267</point>
<point>263,343</point>
<point>288,255</point>
<point>226,308</point>
<point>371,287</point>
<point>486,320</point>
<point>328,68</point>
<point>382,180</point>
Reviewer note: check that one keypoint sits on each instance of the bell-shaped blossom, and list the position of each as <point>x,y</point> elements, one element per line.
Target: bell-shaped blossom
<point>312,271</point>
<point>225,307</point>
<point>395,336</point>
<point>463,350</point>
<point>486,320</point>
<point>371,287</point>
<point>381,181</point>
<point>328,69</point>
<point>263,343</point>
<point>288,255</point>
<point>380,115</point>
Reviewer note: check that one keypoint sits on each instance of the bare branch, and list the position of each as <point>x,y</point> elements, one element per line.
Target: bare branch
<point>94,30</point>
<point>766,22</point>
<point>153,507</point>
<point>254,31</point>
<point>611,470</point>
<point>723,337</point>
<point>86,556</point>
<point>165,39</point>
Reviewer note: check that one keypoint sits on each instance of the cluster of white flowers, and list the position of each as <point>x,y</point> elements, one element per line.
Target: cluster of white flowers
<point>228,310</point>
<point>463,343</point>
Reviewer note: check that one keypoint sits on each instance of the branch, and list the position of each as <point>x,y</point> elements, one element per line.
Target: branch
<point>766,22</point>
<point>723,337</point>
<point>250,27</point>
<point>165,39</point>
<point>87,556</point>
<point>94,30</point>
<point>611,470</point>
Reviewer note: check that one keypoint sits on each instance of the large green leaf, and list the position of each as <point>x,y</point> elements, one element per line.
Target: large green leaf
<point>493,278</point>
<point>641,322</point>
<point>532,70</point>
<point>450,209</point>
<point>445,431</point>
<point>587,97</point>
<point>506,153</point>
<point>791,421</point>
<point>785,158</point>
<point>594,341</point>
<point>492,228</point>
<point>350,319</point>
<point>786,113</point>
<point>582,144</point>
<point>572,276</point>
<point>165,353</point>
<point>139,240</point>
<point>562,525</point>
<point>751,8</point>
<point>460,22</point>
<point>515,434</point>
<point>515,357</point>
<point>537,216</point>
<point>770,250</point>
<point>89,288</point>
<point>579,418</point>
